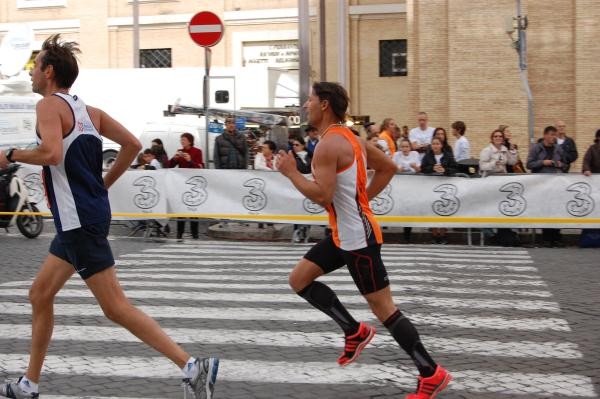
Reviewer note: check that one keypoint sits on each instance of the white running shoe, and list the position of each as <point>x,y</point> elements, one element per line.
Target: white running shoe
<point>202,385</point>
<point>13,390</point>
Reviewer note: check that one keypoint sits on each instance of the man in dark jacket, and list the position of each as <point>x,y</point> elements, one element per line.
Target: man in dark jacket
<point>591,160</point>
<point>567,144</point>
<point>548,157</point>
<point>231,148</point>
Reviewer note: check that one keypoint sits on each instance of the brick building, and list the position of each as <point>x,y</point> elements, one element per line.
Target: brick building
<point>451,58</point>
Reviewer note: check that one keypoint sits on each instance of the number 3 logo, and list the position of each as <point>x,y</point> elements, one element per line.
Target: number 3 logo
<point>514,204</point>
<point>583,204</point>
<point>197,193</point>
<point>148,196</point>
<point>256,198</point>
<point>383,203</point>
<point>448,204</point>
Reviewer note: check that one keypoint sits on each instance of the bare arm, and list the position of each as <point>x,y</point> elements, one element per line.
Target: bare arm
<point>320,190</point>
<point>384,169</point>
<point>49,125</point>
<point>130,146</point>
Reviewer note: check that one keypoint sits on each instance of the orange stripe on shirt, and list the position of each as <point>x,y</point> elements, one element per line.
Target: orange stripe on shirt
<point>360,187</point>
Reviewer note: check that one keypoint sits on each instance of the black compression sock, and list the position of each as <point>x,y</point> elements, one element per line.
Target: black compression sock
<point>407,336</point>
<point>323,298</point>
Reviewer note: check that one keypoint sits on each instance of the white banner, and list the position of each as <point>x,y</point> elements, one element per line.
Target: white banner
<point>540,200</point>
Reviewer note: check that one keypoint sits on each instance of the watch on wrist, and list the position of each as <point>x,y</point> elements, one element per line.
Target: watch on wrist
<point>9,154</point>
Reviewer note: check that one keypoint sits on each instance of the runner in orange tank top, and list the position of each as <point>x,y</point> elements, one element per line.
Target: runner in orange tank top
<point>340,185</point>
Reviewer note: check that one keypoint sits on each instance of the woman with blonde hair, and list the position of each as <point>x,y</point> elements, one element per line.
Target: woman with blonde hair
<point>495,158</point>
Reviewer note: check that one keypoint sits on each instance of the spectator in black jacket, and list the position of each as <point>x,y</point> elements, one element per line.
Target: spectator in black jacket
<point>547,156</point>
<point>231,148</point>
<point>591,160</point>
<point>437,161</point>
<point>567,144</point>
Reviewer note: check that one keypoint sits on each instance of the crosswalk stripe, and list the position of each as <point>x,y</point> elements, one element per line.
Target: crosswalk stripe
<point>278,252</point>
<point>572,385</point>
<point>337,278</point>
<point>452,303</point>
<point>516,349</point>
<point>126,282</point>
<point>285,257</point>
<point>206,261</point>
<point>287,270</point>
<point>386,247</point>
<point>283,314</point>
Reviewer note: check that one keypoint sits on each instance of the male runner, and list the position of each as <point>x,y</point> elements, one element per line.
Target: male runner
<point>340,185</point>
<point>70,150</point>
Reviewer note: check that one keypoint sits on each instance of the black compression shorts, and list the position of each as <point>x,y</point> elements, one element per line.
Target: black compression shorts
<point>365,264</point>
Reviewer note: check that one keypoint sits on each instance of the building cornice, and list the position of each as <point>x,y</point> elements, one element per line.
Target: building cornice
<point>46,25</point>
<point>150,20</point>
<point>265,16</point>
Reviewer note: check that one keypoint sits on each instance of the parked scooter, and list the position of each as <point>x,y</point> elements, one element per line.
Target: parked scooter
<point>14,198</point>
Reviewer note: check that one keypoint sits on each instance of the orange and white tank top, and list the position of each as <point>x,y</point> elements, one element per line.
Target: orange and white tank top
<point>350,217</point>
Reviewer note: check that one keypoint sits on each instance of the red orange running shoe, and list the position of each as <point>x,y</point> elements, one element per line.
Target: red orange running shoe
<point>356,343</point>
<point>429,387</point>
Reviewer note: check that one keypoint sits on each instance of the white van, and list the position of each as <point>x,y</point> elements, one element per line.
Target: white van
<point>17,121</point>
<point>170,129</point>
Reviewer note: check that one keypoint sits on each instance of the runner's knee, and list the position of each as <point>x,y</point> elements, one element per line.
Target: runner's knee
<point>116,311</point>
<point>382,306</point>
<point>302,275</point>
<point>40,296</point>
<point>297,281</point>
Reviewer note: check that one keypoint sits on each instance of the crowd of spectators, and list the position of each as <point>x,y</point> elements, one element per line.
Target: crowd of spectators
<point>422,149</point>
<point>427,151</point>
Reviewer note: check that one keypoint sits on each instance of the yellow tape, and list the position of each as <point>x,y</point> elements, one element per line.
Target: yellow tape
<point>391,219</point>
<point>26,213</point>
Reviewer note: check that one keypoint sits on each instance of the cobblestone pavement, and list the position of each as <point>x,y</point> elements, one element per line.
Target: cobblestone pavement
<point>508,323</point>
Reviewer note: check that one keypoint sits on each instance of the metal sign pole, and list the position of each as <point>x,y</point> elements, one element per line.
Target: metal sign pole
<point>206,98</point>
<point>522,49</point>
<point>136,33</point>
<point>206,30</point>
<point>304,44</point>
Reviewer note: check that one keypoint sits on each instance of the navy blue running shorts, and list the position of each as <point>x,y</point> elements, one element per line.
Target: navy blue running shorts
<point>365,264</point>
<point>86,248</point>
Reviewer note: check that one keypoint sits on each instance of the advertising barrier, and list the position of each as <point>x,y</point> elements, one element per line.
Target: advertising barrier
<point>528,201</point>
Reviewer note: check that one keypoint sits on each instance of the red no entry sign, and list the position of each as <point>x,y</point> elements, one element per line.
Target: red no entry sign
<point>206,29</point>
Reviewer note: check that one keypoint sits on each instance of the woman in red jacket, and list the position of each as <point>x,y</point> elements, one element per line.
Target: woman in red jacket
<point>187,157</point>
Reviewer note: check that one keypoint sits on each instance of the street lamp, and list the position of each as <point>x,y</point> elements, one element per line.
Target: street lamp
<point>520,23</point>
